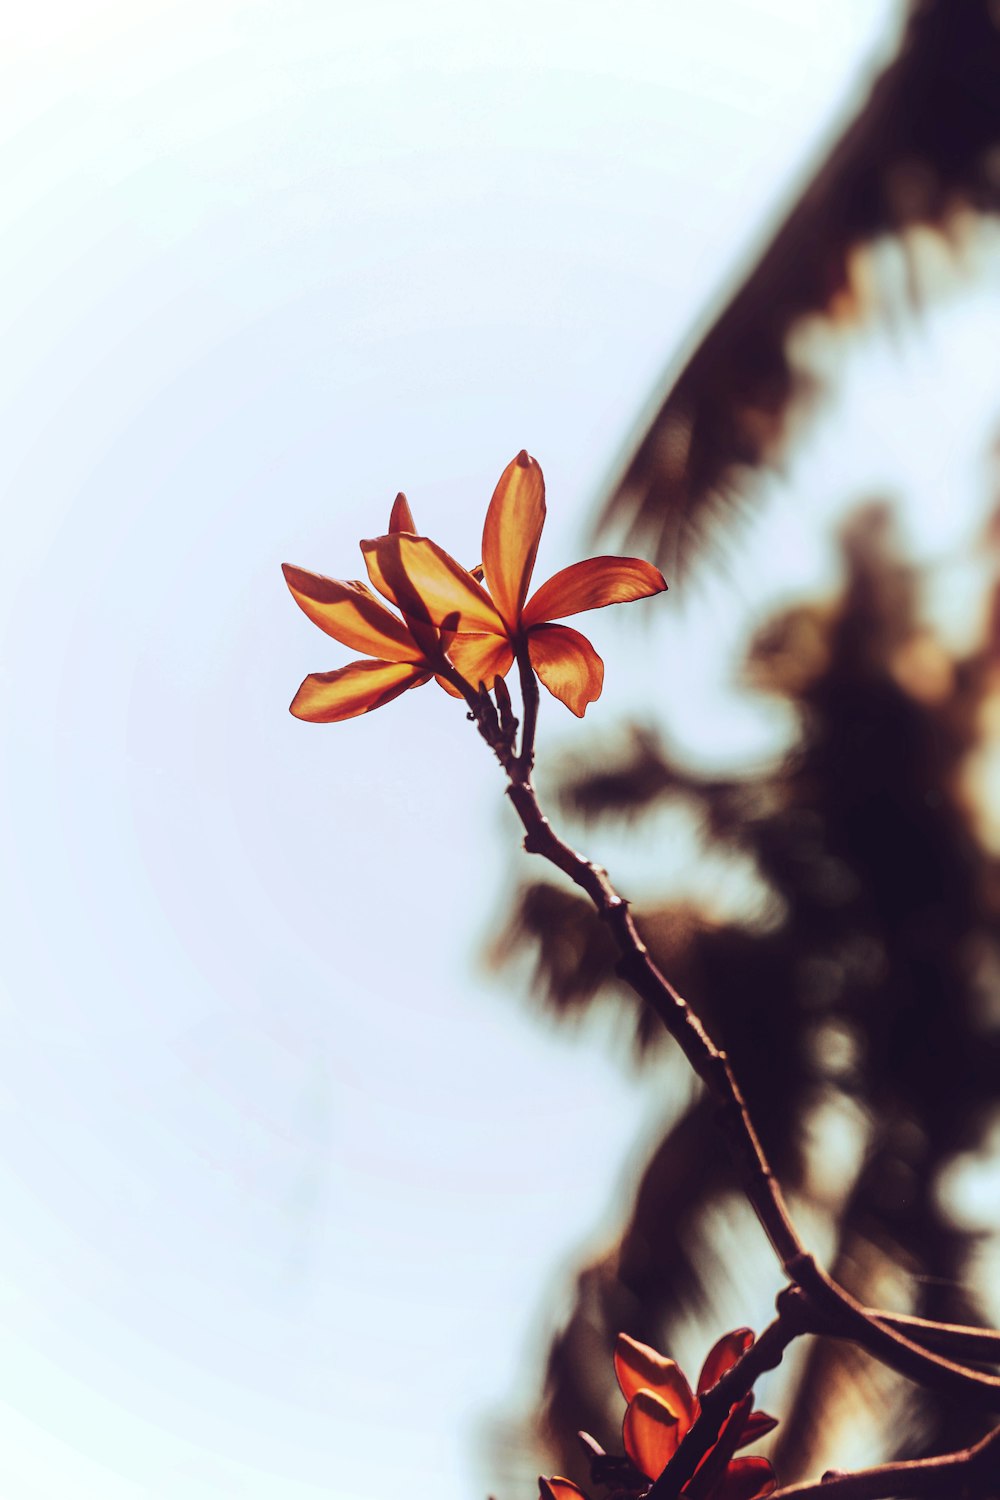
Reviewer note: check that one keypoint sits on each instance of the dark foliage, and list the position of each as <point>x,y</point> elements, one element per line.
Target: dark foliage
<point>926,141</point>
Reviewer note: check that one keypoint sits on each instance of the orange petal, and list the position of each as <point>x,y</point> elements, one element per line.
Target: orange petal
<point>420,578</point>
<point>328,697</point>
<point>401,518</point>
<point>722,1356</point>
<point>559,1489</point>
<point>480,658</point>
<point>592,585</point>
<point>745,1479</point>
<point>451,691</point>
<point>352,615</point>
<point>638,1367</point>
<point>758,1424</point>
<point>567,664</point>
<point>651,1434</point>
<point>513,526</point>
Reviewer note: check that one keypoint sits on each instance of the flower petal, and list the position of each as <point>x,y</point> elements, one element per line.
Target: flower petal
<point>352,615</point>
<point>592,585</point>
<point>420,578</point>
<point>559,1489</point>
<point>513,526</point>
<point>745,1479</point>
<point>567,664</point>
<point>758,1424</point>
<point>651,1434</point>
<point>481,658</point>
<point>722,1356</point>
<point>401,518</point>
<point>328,697</point>
<point>638,1367</point>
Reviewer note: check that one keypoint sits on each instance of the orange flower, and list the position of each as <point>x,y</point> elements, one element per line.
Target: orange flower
<point>406,652</point>
<point>662,1408</point>
<point>420,578</point>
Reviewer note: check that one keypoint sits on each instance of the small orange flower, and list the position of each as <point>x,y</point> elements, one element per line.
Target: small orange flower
<point>662,1407</point>
<point>420,578</point>
<point>661,1410</point>
<point>406,652</point>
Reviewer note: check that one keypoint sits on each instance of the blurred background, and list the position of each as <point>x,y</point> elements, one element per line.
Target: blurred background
<point>332,1157</point>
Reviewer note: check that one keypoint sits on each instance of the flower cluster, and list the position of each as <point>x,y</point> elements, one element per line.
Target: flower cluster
<point>661,1410</point>
<point>449,620</point>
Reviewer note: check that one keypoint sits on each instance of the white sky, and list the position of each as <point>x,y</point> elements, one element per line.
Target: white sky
<point>283,1176</point>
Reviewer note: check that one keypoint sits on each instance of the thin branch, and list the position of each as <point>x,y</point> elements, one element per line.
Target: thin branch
<point>529,697</point>
<point>970,1472</point>
<point>956,1339</point>
<point>840,1314</point>
<point>636,966</point>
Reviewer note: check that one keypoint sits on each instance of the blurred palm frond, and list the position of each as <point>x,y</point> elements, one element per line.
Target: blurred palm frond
<point>926,141</point>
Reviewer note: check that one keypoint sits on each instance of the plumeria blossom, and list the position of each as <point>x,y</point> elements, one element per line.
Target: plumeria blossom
<point>404,649</point>
<point>661,1410</point>
<point>420,578</point>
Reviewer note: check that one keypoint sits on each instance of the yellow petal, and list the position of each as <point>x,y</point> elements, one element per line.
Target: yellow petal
<point>592,585</point>
<point>352,615</point>
<point>722,1356</point>
<point>513,526</point>
<point>420,578</point>
<point>567,664</point>
<point>401,518</point>
<point>651,1434</point>
<point>328,697</point>
<point>638,1367</point>
<point>481,658</point>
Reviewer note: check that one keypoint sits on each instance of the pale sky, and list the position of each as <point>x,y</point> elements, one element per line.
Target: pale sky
<point>289,1183</point>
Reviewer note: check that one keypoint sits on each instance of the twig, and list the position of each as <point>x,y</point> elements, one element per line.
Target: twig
<point>970,1471</point>
<point>529,697</point>
<point>839,1313</point>
<point>955,1339</point>
<point>636,966</point>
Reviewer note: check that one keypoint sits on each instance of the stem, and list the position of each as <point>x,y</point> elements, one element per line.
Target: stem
<point>838,1313</point>
<point>970,1471</point>
<point>945,1338</point>
<point>638,969</point>
<point>529,698</point>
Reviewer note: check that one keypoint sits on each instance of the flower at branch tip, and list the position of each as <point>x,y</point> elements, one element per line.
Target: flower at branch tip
<point>405,650</point>
<point>420,577</point>
<point>400,658</point>
<point>661,1410</point>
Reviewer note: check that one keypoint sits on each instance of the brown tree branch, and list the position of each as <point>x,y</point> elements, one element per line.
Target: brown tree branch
<point>838,1312</point>
<point>529,697</point>
<point>970,1472</point>
<point>954,1339</point>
